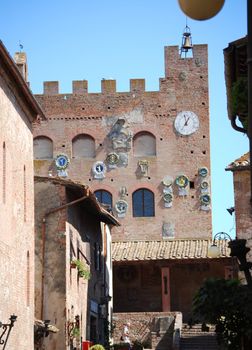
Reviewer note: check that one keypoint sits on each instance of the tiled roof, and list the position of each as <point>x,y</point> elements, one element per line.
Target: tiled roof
<point>165,250</point>
<point>83,190</point>
<point>240,163</point>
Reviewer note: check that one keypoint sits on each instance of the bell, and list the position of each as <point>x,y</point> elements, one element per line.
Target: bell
<point>186,41</point>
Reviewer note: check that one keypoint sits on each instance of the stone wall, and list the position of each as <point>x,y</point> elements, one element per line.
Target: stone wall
<point>153,330</point>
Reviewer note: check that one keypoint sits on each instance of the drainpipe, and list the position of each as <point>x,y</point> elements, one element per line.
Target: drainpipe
<point>54,210</point>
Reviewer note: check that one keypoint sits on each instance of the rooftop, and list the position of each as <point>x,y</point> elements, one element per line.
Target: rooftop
<point>166,250</point>
<point>242,163</point>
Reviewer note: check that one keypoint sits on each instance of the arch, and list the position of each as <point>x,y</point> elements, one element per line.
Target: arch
<point>83,146</point>
<point>144,144</point>
<point>42,147</point>
<point>104,197</point>
<point>143,203</point>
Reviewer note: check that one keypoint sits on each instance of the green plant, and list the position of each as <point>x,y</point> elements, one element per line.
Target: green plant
<point>240,100</point>
<point>75,332</point>
<point>83,270</point>
<point>227,304</point>
<point>97,347</point>
<point>108,333</point>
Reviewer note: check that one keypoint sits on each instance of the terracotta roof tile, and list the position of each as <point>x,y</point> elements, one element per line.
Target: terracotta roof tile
<point>165,250</point>
<point>240,163</point>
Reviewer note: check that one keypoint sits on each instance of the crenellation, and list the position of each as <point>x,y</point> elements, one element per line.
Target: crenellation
<point>51,87</point>
<point>137,85</point>
<point>80,86</point>
<point>178,70</point>
<point>108,86</point>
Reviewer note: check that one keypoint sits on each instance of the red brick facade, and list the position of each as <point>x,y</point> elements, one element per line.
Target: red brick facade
<point>242,193</point>
<point>18,109</point>
<point>69,229</point>
<point>184,88</point>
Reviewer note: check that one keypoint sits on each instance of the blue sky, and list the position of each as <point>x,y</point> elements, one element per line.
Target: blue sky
<point>95,39</point>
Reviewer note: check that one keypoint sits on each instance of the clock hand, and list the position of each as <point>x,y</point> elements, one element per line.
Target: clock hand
<point>186,121</point>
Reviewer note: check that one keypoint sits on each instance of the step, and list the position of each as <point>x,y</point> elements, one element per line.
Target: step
<point>193,338</point>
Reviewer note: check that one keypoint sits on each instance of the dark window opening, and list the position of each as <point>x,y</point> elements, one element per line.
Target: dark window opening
<point>143,203</point>
<point>104,197</point>
<point>191,184</point>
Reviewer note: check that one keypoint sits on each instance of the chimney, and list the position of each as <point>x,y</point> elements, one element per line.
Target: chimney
<point>21,62</point>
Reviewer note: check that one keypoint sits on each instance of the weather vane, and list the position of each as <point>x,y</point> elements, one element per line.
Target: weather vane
<point>20,46</point>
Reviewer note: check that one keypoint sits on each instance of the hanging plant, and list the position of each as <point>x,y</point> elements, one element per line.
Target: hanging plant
<point>83,269</point>
<point>75,332</point>
<point>240,100</point>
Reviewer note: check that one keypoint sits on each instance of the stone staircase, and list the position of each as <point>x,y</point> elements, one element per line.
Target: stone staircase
<point>193,338</point>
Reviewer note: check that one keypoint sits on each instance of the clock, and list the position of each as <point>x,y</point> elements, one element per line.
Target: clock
<point>186,123</point>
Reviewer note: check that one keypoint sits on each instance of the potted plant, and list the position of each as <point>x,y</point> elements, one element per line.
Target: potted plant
<point>97,347</point>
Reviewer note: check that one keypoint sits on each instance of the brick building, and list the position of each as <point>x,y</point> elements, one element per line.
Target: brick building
<point>145,154</point>
<point>18,110</point>
<point>72,241</point>
<point>236,78</point>
<point>241,180</point>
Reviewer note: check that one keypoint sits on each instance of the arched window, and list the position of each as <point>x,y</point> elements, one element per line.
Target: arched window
<point>104,197</point>
<point>42,148</point>
<point>144,144</point>
<point>143,203</point>
<point>83,146</point>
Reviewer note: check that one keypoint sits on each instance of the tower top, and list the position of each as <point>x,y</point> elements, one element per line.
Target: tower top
<point>21,61</point>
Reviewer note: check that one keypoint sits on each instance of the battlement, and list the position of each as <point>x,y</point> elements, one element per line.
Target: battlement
<point>175,68</point>
<point>108,86</point>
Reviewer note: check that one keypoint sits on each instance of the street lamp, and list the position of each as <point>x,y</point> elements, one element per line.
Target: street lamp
<point>201,10</point>
<point>213,250</point>
<point>238,249</point>
<point>6,326</point>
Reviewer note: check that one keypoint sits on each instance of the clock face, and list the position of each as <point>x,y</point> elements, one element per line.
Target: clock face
<point>186,123</point>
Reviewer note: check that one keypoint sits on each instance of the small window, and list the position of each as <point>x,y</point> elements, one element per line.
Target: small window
<point>104,197</point>
<point>143,203</point>
<point>42,148</point>
<point>144,144</point>
<point>83,146</point>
